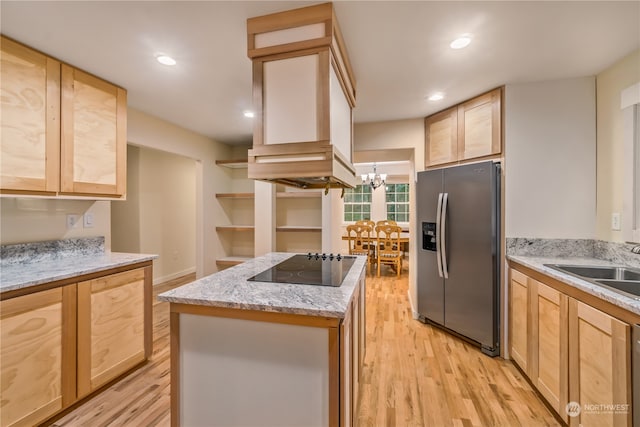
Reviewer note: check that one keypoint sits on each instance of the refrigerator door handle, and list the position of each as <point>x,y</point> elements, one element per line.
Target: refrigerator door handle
<point>443,236</point>
<point>438,250</point>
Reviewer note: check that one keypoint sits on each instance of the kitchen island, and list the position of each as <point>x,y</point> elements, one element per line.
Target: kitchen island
<point>260,353</point>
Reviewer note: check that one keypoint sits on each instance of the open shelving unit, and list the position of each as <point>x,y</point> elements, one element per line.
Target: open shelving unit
<point>235,225</point>
<point>233,164</point>
<point>298,220</point>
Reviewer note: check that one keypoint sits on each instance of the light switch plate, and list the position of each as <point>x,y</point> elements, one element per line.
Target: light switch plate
<point>73,221</point>
<point>615,221</point>
<point>88,220</point>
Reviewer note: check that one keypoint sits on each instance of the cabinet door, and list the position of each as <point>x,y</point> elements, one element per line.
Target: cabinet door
<point>111,327</point>
<point>550,371</point>
<point>519,315</point>
<point>479,126</point>
<point>30,119</point>
<point>441,133</point>
<point>94,135</point>
<point>600,367</point>
<point>37,359</point>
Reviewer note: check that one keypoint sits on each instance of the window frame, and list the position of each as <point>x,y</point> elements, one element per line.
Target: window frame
<point>362,213</point>
<point>405,203</point>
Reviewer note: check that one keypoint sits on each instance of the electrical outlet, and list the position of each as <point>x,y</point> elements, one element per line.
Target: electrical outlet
<point>73,221</point>
<point>88,220</point>
<point>615,221</point>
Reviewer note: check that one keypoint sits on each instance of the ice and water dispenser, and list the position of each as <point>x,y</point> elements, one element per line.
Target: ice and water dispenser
<point>429,236</point>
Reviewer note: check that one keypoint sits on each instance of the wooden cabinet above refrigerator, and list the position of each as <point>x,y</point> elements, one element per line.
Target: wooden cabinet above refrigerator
<point>303,96</point>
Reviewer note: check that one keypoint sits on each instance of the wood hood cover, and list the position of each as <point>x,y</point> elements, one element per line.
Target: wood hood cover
<point>303,96</point>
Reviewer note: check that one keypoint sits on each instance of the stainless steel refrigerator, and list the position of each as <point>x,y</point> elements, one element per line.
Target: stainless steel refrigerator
<point>458,253</point>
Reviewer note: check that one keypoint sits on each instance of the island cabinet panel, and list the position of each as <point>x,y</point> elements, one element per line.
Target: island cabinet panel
<point>519,319</point>
<point>111,327</point>
<point>93,135</point>
<point>37,355</point>
<point>600,367</point>
<point>240,372</point>
<point>30,119</point>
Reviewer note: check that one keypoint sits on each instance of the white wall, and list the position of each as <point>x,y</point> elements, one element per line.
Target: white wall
<point>550,149</point>
<point>404,137</point>
<point>26,219</point>
<point>160,211</point>
<point>148,131</point>
<point>610,83</point>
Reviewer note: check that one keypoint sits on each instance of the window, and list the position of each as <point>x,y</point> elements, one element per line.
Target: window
<point>398,202</point>
<point>357,203</point>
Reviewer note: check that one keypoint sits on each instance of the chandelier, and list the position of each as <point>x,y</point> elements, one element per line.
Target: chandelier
<point>375,180</point>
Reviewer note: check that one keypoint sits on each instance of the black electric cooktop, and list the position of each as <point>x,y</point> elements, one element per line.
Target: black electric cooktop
<point>310,269</point>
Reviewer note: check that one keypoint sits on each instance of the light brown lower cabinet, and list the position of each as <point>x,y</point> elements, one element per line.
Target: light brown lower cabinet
<point>549,370</point>
<point>600,367</point>
<point>572,353</point>
<point>110,328</point>
<point>519,321</point>
<point>37,356</point>
<point>59,345</point>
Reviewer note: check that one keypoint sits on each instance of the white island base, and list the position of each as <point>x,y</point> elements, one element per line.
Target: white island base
<point>237,372</point>
<point>266,354</point>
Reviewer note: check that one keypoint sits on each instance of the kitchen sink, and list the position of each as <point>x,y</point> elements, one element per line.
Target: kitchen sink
<point>624,280</point>
<point>598,272</point>
<point>628,286</point>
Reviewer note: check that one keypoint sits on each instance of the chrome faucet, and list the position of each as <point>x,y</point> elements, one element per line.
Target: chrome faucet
<point>636,249</point>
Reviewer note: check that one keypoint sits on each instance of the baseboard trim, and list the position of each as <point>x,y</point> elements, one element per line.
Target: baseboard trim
<point>160,280</point>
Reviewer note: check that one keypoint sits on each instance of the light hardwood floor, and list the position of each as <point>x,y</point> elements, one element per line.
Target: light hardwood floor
<point>414,375</point>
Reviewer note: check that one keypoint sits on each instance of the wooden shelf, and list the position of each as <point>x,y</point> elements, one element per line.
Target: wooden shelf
<point>235,195</point>
<point>299,228</point>
<point>233,164</point>
<point>235,228</point>
<point>298,194</point>
<point>231,261</point>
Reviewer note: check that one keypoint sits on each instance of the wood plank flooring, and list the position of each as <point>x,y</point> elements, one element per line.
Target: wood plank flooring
<point>418,375</point>
<point>414,375</point>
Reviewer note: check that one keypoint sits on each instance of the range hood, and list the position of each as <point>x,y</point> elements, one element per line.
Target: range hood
<point>303,97</point>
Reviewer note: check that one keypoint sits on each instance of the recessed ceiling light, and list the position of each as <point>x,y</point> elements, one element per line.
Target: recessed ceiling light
<point>461,42</point>
<point>249,114</point>
<point>166,60</point>
<point>436,96</point>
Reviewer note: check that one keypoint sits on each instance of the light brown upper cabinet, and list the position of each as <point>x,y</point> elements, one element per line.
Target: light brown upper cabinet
<point>63,130</point>
<point>466,131</point>
<point>94,139</point>
<point>29,120</point>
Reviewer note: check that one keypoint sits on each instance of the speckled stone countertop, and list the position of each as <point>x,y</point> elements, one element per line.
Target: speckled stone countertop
<point>31,264</point>
<point>230,288</point>
<point>537,263</point>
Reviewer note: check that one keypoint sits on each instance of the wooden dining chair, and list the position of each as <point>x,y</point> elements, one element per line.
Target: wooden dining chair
<point>388,248</point>
<point>361,242</point>
<point>368,222</point>
<point>386,222</point>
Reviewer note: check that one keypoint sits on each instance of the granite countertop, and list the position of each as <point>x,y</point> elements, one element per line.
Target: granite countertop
<point>537,263</point>
<point>229,288</point>
<point>31,264</point>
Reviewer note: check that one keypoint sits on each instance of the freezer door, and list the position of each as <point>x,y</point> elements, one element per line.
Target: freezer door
<point>430,283</point>
<point>471,291</point>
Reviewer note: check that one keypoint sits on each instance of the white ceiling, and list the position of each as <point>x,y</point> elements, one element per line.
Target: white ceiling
<point>399,50</point>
